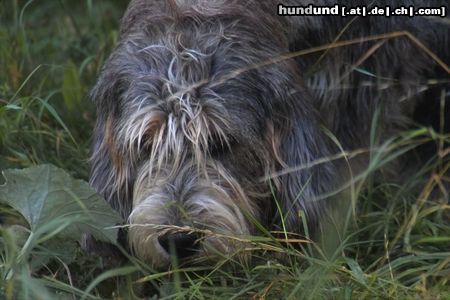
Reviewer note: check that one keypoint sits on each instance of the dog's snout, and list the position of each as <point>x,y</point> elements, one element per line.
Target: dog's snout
<point>181,244</point>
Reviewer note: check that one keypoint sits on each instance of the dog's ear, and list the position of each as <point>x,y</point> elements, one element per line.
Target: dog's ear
<point>111,173</point>
<point>303,178</point>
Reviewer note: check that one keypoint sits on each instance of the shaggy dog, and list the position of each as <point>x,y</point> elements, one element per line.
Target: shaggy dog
<point>216,116</point>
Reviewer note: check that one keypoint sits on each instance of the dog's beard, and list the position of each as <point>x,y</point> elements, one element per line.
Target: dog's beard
<point>208,204</point>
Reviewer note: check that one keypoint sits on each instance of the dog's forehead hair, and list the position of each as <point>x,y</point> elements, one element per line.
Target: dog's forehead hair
<point>162,96</point>
<point>172,71</point>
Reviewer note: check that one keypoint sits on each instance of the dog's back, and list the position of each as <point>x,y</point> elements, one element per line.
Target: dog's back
<point>399,62</point>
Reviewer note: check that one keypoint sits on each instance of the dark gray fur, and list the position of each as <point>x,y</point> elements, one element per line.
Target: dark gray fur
<point>187,57</point>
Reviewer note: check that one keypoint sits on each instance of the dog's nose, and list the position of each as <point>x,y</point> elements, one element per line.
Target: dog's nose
<point>183,244</point>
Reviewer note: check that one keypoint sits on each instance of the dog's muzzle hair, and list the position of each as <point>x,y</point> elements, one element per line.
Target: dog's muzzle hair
<point>199,114</point>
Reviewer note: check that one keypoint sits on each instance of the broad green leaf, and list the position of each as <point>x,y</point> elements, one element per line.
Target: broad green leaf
<point>58,207</point>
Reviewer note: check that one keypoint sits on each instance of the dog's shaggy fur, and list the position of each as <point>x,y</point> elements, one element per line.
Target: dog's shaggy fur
<point>207,126</point>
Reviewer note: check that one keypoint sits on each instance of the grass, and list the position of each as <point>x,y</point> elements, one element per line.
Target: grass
<point>397,247</point>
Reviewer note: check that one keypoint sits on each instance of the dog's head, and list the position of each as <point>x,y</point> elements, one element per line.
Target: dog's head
<point>195,111</point>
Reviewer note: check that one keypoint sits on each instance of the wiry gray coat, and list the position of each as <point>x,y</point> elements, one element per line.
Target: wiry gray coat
<point>204,123</point>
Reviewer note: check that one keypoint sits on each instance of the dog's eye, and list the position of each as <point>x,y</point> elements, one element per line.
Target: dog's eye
<point>145,147</point>
<point>219,146</point>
